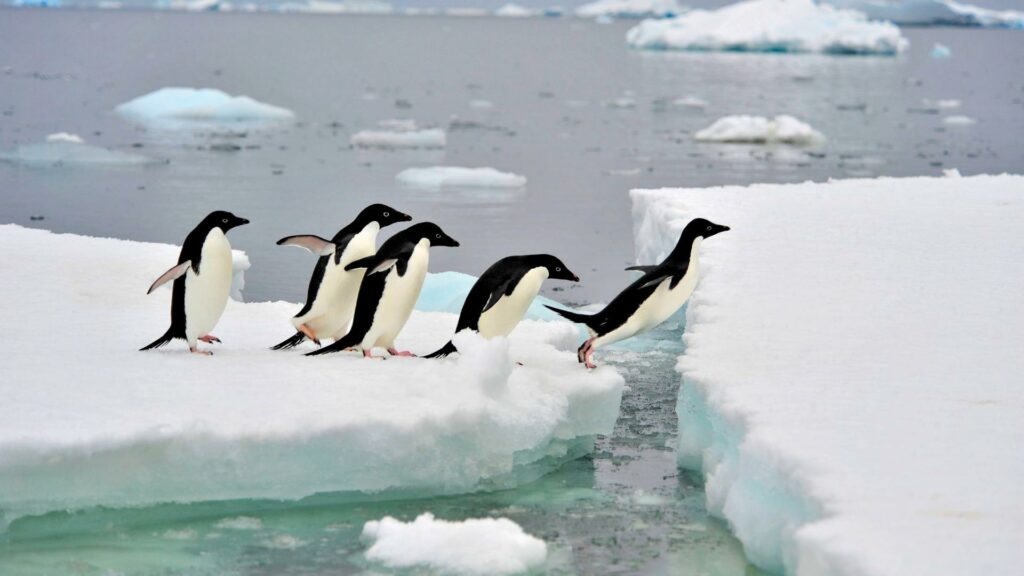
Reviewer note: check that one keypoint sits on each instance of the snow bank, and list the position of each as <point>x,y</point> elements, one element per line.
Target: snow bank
<point>64,149</point>
<point>474,546</point>
<point>629,9</point>
<point>934,13</point>
<point>851,382</point>
<point>173,107</point>
<point>108,425</point>
<point>429,138</point>
<point>514,11</point>
<point>438,177</point>
<point>760,130</point>
<point>770,26</point>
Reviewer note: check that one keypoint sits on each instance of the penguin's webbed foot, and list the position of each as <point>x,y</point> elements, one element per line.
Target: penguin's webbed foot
<point>404,353</point>
<point>202,352</point>
<point>368,354</point>
<point>309,334</point>
<point>210,339</point>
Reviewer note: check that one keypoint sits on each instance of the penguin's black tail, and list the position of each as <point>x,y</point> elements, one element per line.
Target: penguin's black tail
<point>346,341</point>
<point>585,319</point>
<point>291,342</point>
<point>443,351</point>
<point>167,337</point>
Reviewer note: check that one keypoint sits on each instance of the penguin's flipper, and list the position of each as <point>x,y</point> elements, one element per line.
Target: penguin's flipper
<point>171,274</point>
<point>654,280</point>
<point>443,351</point>
<point>361,263</point>
<point>383,266</point>
<point>314,244</point>
<point>644,269</point>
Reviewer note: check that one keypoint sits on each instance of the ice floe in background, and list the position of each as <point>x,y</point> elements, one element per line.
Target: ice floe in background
<point>959,120</point>
<point>631,9</point>
<point>760,130</point>
<point>400,135</point>
<point>855,407</point>
<point>252,423</point>
<point>940,104</point>
<point>933,12</point>
<point>940,51</point>
<point>64,149</point>
<point>474,546</point>
<point>344,7</point>
<point>770,26</point>
<point>515,11</point>
<point>191,107</point>
<point>438,177</point>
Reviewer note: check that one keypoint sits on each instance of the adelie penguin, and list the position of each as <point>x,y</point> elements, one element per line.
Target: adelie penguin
<point>500,297</point>
<point>394,277</point>
<point>331,297</point>
<point>202,282</point>
<point>652,299</point>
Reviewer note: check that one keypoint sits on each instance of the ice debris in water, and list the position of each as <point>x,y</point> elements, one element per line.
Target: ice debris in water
<point>439,177</point>
<point>65,137</point>
<point>770,26</point>
<point>183,107</point>
<point>514,11</point>
<point>474,546</point>
<point>400,134</point>
<point>239,523</point>
<point>635,9</point>
<point>941,51</point>
<point>934,12</point>
<point>66,149</point>
<point>959,120</point>
<point>760,130</point>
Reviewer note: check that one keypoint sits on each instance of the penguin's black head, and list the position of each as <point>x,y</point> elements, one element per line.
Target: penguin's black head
<point>702,228</point>
<point>430,232</point>
<point>223,220</point>
<point>557,270</point>
<point>382,214</point>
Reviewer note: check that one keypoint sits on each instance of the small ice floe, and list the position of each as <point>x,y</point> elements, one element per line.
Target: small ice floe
<point>514,11</point>
<point>474,546</point>
<point>629,9</point>
<point>770,26</point>
<point>438,177</point>
<point>959,120</point>
<point>481,104</point>
<point>239,523</point>
<point>623,172</point>
<point>183,534</point>
<point>283,542</point>
<point>951,173</point>
<point>344,7</point>
<point>940,51</point>
<point>189,107</point>
<point>690,102</point>
<point>945,104</point>
<point>760,130</point>
<point>66,149</point>
<point>620,103</point>
<point>400,138</point>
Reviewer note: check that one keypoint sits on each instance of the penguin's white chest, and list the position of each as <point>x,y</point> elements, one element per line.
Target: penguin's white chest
<point>503,317</point>
<point>331,312</point>
<point>206,293</point>
<point>398,299</point>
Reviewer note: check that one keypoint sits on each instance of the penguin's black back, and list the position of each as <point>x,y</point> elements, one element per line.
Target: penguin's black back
<point>499,280</point>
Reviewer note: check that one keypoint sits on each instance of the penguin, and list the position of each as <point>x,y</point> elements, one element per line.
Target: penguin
<point>331,297</point>
<point>391,285</point>
<point>500,297</point>
<point>652,299</point>
<point>202,282</point>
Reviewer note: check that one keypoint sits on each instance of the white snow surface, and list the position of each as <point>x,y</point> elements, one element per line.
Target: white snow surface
<point>439,177</point>
<point>181,107</point>
<point>760,130</point>
<point>474,546</point>
<point>426,138</point>
<point>629,9</point>
<point>934,12</point>
<point>770,26</point>
<point>851,381</point>
<point>89,420</point>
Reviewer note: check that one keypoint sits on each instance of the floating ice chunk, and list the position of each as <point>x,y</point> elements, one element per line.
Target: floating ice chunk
<point>250,422</point>
<point>345,7</point>
<point>951,173</point>
<point>64,149</point>
<point>474,546</point>
<point>430,138</point>
<point>629,9</point>
<point>770,26</point>
<point>239,523</point>
<point>514,11</point>
<point>481,104</point>
<point>466,12</point>
<point>934,13</point>
<point>621,103</point>
<point>690,102</point>
<point>959,120</point>
<point>940,51</point>
<point>438,177</point>
<point>760,130</point>
<point>842,424</point>
<point>945,104</point>
<point>36,3</point>
<point>186,107</point>
<point>65,137</point>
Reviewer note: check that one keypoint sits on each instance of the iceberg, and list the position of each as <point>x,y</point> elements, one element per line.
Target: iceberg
<point>626,9</point>
<point>439,177</point>
<point>770,26</point>
<point>191,107</point>
<point>474,546</point>
<point>851,379</point>
<point>514,11</point>
<point>933,13</point>
<point>760,130</point>
<point>428,138</point>
<point>64,149</point>
<point>108,425</point>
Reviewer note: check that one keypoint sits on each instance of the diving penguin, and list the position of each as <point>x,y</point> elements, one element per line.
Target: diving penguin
<point>500,297</point>
<point>202,282</point>
<point>394,277</point>
<point>652,299</point>
<point>331,297</point>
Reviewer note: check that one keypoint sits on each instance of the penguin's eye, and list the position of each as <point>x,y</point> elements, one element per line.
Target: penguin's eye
<point>557,269</point>
<point>386,214</point>
<point>225,220</point>
<point>709,228</point>
<point>438,236</point>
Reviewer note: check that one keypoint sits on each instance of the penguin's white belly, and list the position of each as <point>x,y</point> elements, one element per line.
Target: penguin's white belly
<point>206,293</point>
<point>398,299</point>
<point>504,316</point>
<point>331,312</point>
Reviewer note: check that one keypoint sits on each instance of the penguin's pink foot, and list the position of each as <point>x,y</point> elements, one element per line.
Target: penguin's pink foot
<point>198,351</point>
<point>585,349</point>
<point>587,358</point>
<point>405,353</point>
<point>210,339</point>
<point>368,354</point>
<point>309,333</point>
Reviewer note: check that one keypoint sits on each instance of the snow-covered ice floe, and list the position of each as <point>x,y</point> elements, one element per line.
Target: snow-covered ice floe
<point>187,107</point>
<point>438,177</point>
<point>88,420</point>
<point>475,546</point>
<point>934,13</point>
<point>634,9</point>
<point>760,130</point>
<point>426,138</point>
<point>770,26</point>
<point>851,381</point>
<point>512,10</point>
<point>64,149</point>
